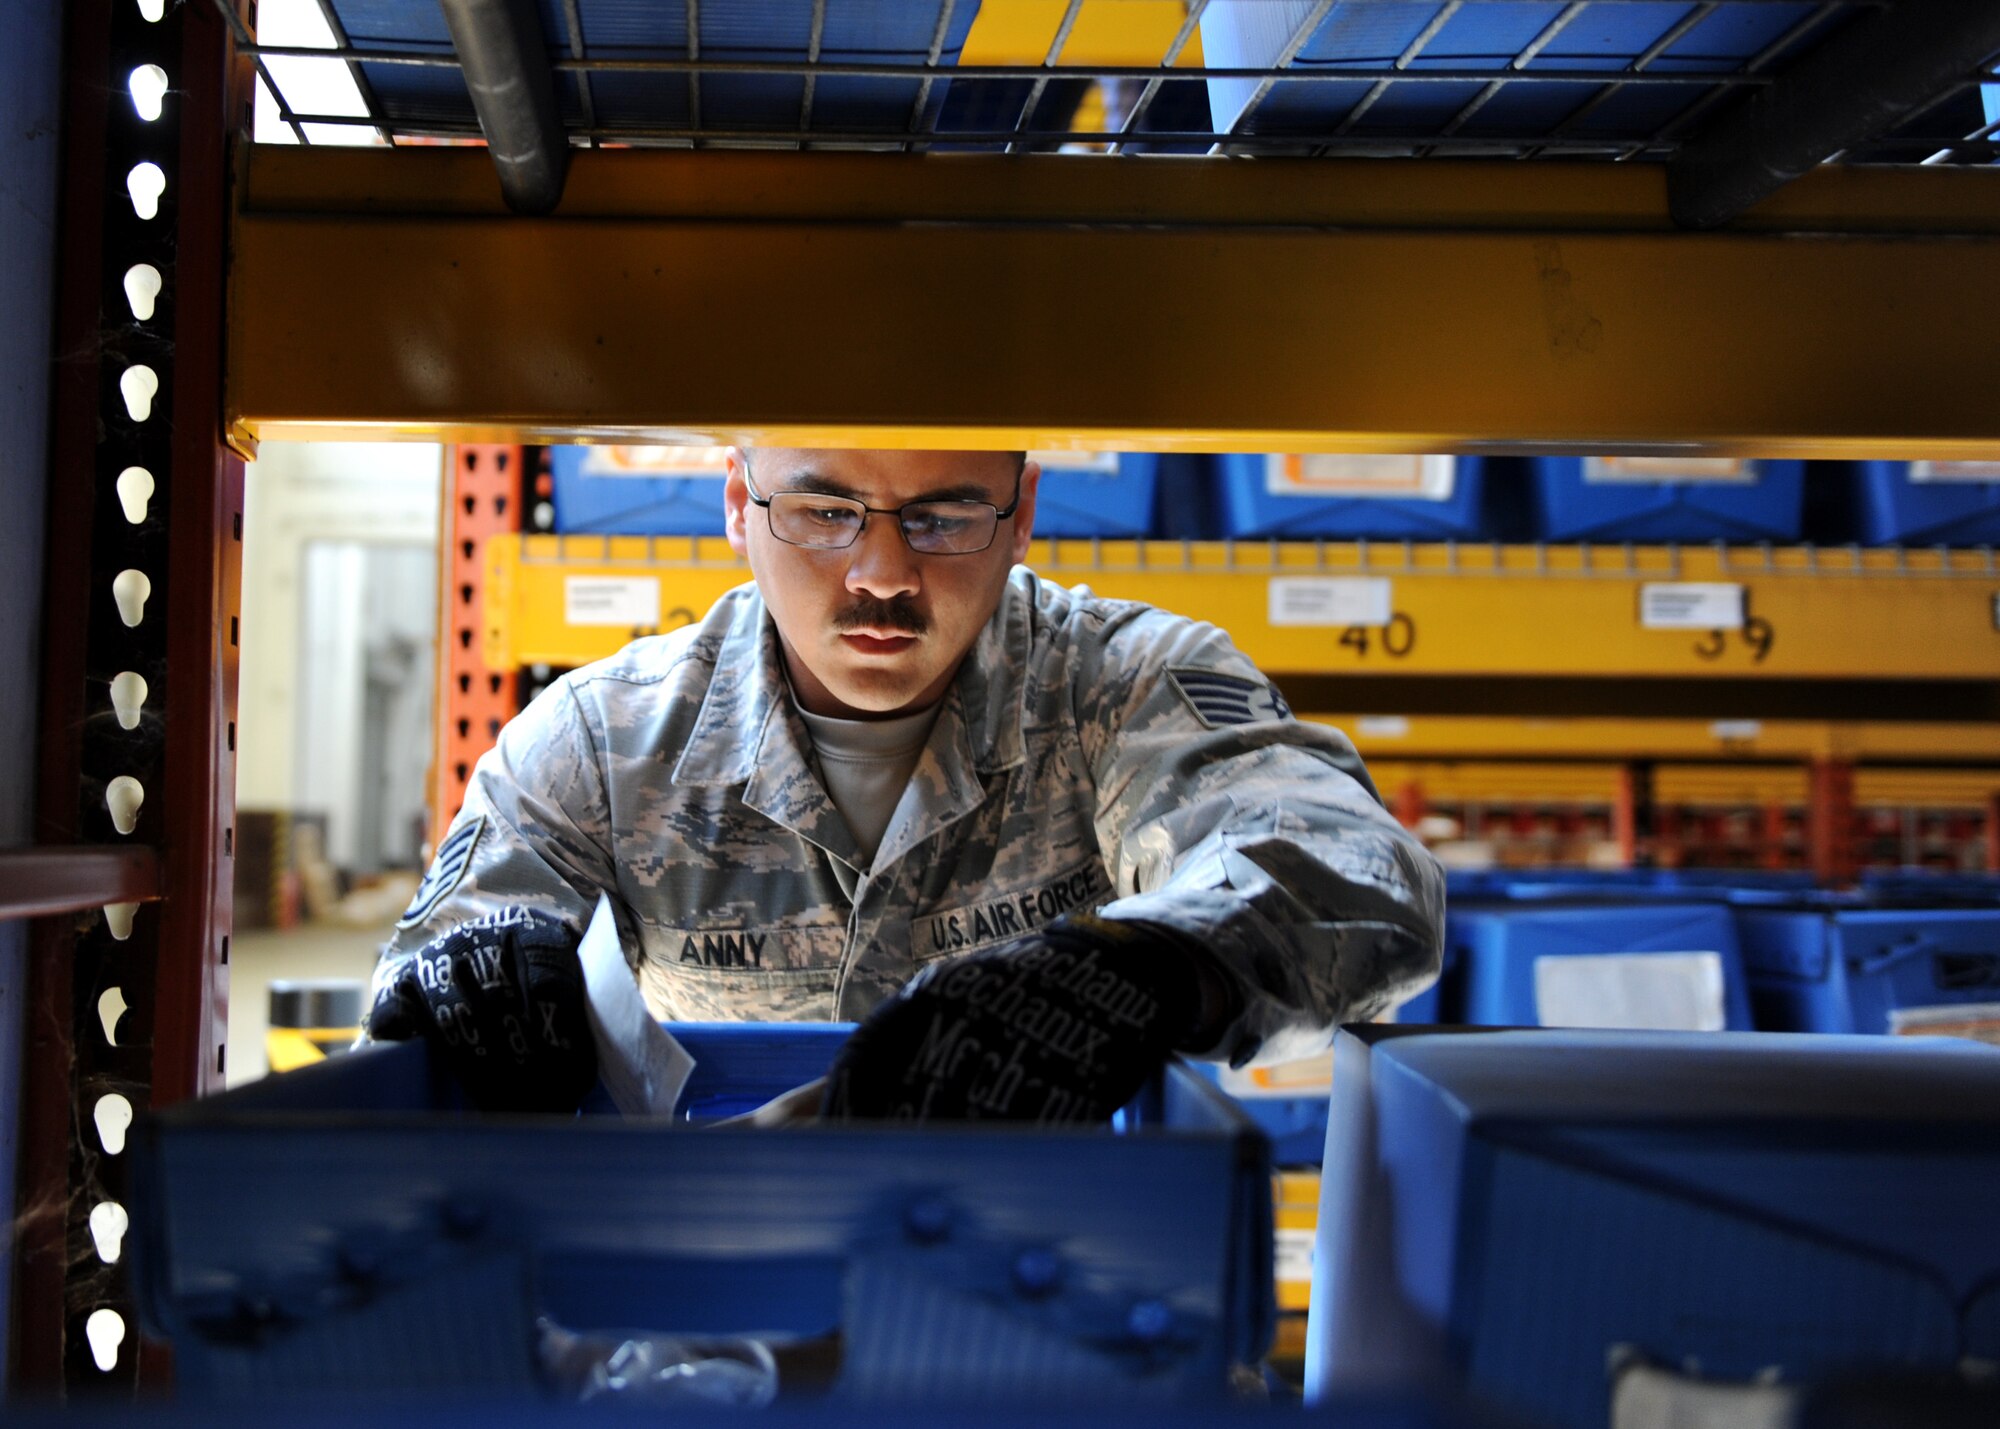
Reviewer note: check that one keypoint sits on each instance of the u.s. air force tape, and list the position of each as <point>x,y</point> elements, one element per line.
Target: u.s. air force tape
<point>454,856</point>
<point>1218,699</point>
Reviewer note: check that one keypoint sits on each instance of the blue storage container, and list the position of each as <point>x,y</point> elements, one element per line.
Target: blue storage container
<point>1418,1410</point>
<point>637,491</point>
<point>1654,965</point>
<point>1358,34</point>
<point>1923,887</point>
<point>877,32</point>
<point>329,1233</point>
<point>1109,494</point>
<point>1287,1101</point>
<point>1419,498</point>
<point>1501,1210</point>
<point>1874,970</point>
<point>1666,499</point>
<point>1925,503</point>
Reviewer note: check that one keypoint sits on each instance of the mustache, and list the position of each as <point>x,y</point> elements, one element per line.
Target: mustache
<point>869,613</point>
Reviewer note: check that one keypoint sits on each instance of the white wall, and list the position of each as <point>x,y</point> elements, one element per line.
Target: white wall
<point>30,107</point>
<point>299,494</point>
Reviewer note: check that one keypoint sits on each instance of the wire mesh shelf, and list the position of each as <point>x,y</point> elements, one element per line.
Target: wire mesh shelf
<point>1591,79</point>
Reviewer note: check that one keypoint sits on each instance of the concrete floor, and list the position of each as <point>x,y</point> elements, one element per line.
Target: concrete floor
<point>259,958</point>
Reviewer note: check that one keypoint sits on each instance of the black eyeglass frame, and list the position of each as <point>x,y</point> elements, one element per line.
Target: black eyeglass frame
<point>1000,513</point>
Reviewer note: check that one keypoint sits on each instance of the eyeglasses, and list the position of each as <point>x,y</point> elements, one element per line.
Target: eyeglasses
<point>932,528</point>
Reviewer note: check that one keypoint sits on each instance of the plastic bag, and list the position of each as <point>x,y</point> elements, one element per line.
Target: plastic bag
<point>638,1368</point>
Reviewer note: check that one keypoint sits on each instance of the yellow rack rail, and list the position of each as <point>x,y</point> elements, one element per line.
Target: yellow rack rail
<point>1327,608</point>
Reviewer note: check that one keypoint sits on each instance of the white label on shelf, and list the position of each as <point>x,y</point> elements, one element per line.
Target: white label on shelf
<point>611,600</point>
<point>1293,1254</point>
<point>1306,1077</point>
<point>1690,605</point>
<point>1669,992</point>
<point>1653,470</point>
<point>1942,471</point>
<point>1729,730</point>
<point>1979,1021</point>
<point>1329,600</point>
<point>1079,463</point>
<point>1383,727</point>
<point>1403,478</point>
<point>654,461</point>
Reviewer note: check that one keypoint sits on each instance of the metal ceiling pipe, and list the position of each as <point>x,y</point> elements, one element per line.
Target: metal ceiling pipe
<point>506,62</point>
<point>1876,72</point>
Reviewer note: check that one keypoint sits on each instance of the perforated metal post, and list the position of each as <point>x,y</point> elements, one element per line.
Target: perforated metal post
<point>127,1003</point>
<point>1830,823</point>
<point>484,496</point>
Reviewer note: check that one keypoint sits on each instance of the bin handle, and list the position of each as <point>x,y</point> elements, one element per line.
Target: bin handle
<point>1914,946</point>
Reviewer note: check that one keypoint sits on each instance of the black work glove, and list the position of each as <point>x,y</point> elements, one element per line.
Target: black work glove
<point>504,996</point>
<point>1064,1024</point>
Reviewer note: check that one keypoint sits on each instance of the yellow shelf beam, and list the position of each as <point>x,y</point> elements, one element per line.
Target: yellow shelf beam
<point>1748,786</point>
<point>1482,737</point>
<point>1001,302</point>
<point>1478,610</point>
<point>1107,32</point>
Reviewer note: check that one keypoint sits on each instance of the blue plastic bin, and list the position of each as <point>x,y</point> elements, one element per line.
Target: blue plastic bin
<point>1874,970</point>
<point>329,1233</point>
<point>880,32</point>
<point>1923,887</point>
<point>1639,499</point>
<point>1657,965</point>
<point>1438,498</point>
<point>1109,494</point>
<point>1249,34</point>
<point>626,491</point>
<point>1421,1410</point>
<point>1500,1210</point>
<point>1924,503</point>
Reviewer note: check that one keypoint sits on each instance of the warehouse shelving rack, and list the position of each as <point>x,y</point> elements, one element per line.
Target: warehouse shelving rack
<point>1708,283</point>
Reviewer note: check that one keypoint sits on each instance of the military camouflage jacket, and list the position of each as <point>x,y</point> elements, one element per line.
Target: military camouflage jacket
<point>1091,754</point>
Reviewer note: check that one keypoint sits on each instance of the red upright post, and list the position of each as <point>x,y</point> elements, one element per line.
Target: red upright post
<point>1830,821</point>
<point>143,539</point>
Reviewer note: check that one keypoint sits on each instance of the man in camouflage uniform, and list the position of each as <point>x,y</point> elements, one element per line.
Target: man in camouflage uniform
<point>1086,756</point>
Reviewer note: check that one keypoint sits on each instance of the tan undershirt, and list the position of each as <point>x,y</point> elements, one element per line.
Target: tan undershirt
<point>866,765</point>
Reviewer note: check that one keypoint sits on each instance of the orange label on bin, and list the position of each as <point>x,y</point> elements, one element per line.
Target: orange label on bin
<point>1650,469</point>
<point>654,461</point>
<point>1405,478</point>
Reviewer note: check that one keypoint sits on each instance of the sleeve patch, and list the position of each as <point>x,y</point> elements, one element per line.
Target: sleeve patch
<point>1219,699</point>
<point>454,856</point>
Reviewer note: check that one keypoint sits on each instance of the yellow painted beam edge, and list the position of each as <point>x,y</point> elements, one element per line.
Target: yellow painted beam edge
<point>661,184</point>
<point>1468,622</point>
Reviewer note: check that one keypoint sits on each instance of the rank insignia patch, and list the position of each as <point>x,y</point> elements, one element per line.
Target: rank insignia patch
<point>1219,699</point>
<point>454,856</point>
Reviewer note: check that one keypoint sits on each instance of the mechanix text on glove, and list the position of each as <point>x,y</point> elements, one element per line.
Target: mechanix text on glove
<point>504,997</point>
<point>1063,1025</point>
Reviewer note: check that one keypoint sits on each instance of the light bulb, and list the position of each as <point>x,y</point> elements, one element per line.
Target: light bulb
<point>131,589</point>
<point>108,1224</point>
<point>142,289</point>
<point>123,796</point>
<point>110,1007</point>
<point>105,1330</point>
<point>113,1115</point>
<point>139,385</point>
<point>148,84</point>
<point>128,697</point>
<point>118,917</point>
<point>151,10</point>
<point>135,489</point>
<point>146,183</point>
